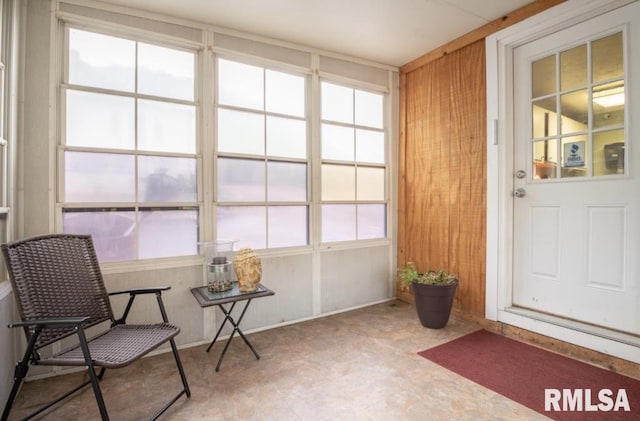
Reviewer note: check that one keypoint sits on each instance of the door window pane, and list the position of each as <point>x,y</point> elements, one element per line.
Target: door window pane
<point>99,120</point>
<point>544,118</point>
<point>607,58</point>
<point>286,137</point>
<point>284,93</point>
<point>241,180</point>
<point>574,108</point>
<point>287,182</point>
<point>166,233</point>
<point>113,232</point>
<point>608,152</point>
<point>372,221</point>
<point>608,105</point>
<point>574,156</point>
<point>338,223</point>
<point>337,103</point>
<point>545,161</point>
<point>166,72</point>
<point>98,177</point>
<point>167,179</point>
<point>101,61</point>
<point>240,132</point>
<point>338,182</point>
<point>166,127</point>
<point>247,224</point>
<point>573,68</point>
<point>543,76</point>
<point>288,226</point>
<point>240,85</point>
<point>337,142</point>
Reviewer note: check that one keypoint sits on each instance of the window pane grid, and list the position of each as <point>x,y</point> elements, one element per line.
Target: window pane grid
<point>130,134</point>
<point>353,164</point>
<point>262,157</point>
<point>583,115</point>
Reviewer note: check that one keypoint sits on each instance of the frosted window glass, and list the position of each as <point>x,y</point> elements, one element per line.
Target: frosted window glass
<point>338,182</point>
<point>337,103</point>
<point>247,224</point>
<point>101,61</point>
<point>370,146</point>
<point>167,179</point>
<point>287,182</point>
<point>240,85</point>
<point>240,132</point>
<point>166,233</point>
<point>113,232</point>
<point>241,180</point>
<point>337,142</point>
<point>284,93</point>
<point>100,120</point>
<point>288,226</point>
<point>370,184</point>
<point>372,222</point>
<point>286,137</point>
<point>166,127</point>
<point>165,72</point>
<point>98,177</point>
<point>338,223</point>
<point>369,109</point>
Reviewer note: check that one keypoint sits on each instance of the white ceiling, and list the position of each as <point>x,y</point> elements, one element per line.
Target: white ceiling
<point>392,32</point>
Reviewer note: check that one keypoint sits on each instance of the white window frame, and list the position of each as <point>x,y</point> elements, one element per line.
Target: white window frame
<point>355,85</point>
<point>278,67</point>
<point>64,85</point>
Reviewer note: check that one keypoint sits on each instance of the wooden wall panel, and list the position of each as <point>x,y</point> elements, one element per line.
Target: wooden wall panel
<point>443,171</point>
<point>442,160</point>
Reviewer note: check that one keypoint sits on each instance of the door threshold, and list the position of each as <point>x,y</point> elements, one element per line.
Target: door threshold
<point>601,332</point>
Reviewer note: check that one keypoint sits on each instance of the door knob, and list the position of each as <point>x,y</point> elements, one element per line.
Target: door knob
<point>520,192</point>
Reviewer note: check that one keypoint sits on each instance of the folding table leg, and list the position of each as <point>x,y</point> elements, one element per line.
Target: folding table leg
<point>236,328</point>
<point>226,317</point>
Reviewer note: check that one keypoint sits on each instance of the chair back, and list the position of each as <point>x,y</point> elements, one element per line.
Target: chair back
<point>57,276</point>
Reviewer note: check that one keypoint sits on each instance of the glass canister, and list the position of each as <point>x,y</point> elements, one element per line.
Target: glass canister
<point>218,263</point>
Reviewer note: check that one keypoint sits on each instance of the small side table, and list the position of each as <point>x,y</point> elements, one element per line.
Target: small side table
<point>208,298</point>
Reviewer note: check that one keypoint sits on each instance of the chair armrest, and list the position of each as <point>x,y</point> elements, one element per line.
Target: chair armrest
<point>133,293</point>
<point>52,323</point>
<point>136,291</point>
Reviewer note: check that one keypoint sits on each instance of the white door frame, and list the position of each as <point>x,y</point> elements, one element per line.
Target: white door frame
<point>500,167</point>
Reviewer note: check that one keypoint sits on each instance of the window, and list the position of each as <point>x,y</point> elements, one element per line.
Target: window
<point>128,160</point>
<point>130,156</point>
<point>262,158</point>
<point>578,111</point>
<point>353,164</point>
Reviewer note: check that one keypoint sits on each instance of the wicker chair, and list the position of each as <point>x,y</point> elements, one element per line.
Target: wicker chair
<point>60,292</point>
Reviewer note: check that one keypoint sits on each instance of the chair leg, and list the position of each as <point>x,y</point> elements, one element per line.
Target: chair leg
<point>22,367</point>
<point>92,375</point>
<point>180,369</point>
<point>20,372</point>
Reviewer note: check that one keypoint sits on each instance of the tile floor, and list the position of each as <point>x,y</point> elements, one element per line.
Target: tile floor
<point>358,365</point>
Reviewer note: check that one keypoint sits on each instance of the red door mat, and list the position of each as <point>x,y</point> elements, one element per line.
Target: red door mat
<point>551,384</point>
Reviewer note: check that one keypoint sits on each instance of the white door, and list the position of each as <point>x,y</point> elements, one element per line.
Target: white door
<point>577,173</point>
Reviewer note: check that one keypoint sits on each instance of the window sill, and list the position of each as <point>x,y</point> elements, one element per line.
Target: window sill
<point>150,264</point>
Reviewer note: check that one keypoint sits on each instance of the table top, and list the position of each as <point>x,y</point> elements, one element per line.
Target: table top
<point>208,298</point>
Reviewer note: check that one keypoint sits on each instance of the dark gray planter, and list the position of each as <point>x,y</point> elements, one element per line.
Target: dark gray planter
<point>433,303</point>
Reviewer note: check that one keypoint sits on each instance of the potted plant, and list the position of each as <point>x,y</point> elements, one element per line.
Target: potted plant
<point>433,293</point>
